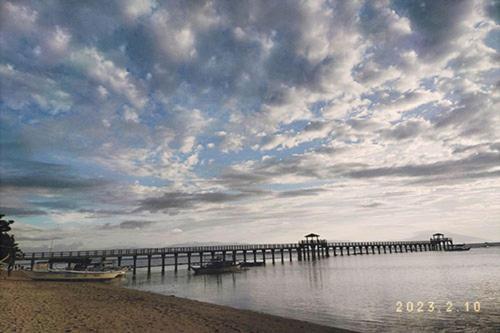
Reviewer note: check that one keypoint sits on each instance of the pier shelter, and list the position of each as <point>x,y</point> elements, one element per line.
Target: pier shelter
<point>313,247</point>
<point>440,242</point>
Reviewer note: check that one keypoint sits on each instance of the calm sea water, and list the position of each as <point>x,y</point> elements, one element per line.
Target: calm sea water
<point>358,292</point>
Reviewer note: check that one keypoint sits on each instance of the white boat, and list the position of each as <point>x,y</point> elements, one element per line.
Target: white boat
<point>69,275</point>
<point>77,270</point>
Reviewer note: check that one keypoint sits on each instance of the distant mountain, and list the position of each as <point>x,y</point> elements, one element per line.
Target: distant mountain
<point>457,238</point>
<point>79,246</point>
<point>203,244</point>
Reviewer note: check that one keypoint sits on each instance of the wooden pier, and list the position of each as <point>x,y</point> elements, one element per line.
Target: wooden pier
<point>311,248</point>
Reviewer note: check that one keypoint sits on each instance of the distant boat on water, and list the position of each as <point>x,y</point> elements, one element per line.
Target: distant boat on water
<point>218,266</point>
<point>459,247</point>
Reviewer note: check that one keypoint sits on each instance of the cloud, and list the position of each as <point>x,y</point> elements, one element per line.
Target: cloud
<point>107,73</point>
<point>473,113</point>
<point>42,175</point>
<point>436,24</point>
<point>21,89</point>
<point>495,146</point>
<point>38,238</point>
<point>179,200</point>
<point>301,192</point>
<point>248,114</point>
<point>406,130</point>
<point>312,131</point>
<point>466,167</point>
<point>130,224</point>
<point>19,211</point>
<point>18,17</point>
<point>135,9</point>
<point>27,233</point>
<point>372,205</point>
<point>179,43</point>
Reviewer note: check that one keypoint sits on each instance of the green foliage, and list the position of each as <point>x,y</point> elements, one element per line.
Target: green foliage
<point>8,246</point>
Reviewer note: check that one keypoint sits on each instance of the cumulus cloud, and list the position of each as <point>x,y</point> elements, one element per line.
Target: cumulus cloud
<point>18,17</point>
<point>105,72</point>
<point>22,89</point>
<point>135,9</point>
<point>247,114</point>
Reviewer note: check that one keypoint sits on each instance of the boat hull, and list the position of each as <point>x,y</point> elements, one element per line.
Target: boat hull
<point>206,270</point>
<point>73,275</point>
<point>459,247</point>
<point>253,264</point>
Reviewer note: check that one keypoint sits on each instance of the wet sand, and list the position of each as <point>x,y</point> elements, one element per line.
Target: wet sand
<point>38,306</point>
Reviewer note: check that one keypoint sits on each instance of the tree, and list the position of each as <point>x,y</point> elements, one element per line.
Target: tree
<point>8,245</point>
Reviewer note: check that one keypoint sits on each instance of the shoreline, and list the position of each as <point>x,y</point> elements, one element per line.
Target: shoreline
<point>40,306</point>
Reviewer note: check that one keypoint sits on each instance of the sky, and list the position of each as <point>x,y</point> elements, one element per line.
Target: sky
<point>152,123</point>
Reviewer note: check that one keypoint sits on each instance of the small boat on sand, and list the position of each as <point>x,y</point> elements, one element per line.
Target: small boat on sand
<point>218,266</point>
<point>76,270</point>
<point>68,275</point>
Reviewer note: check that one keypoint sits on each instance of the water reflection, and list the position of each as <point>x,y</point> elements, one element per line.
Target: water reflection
<point>356,292</point>
<point>315,275</point>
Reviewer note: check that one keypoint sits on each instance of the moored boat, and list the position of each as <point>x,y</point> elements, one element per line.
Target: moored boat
<point>459,247</point>
<point>218,266</point>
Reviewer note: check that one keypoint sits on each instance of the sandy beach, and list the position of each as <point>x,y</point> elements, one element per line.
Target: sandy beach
<point>36,306</point>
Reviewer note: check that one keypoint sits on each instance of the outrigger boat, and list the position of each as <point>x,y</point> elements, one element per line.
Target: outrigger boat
<point>77,270</point>
<point>68,275</point>
<point>218,266</point>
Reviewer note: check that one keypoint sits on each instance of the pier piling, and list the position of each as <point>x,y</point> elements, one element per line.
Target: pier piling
<point>163,264</point>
